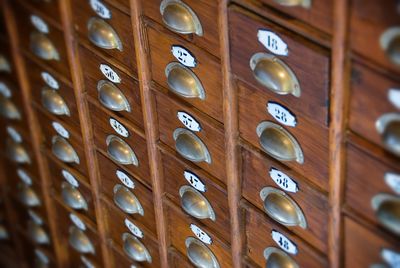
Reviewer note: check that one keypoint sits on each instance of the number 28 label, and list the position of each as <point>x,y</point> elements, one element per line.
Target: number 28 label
<point>281,114</point>
<point>284,243</point>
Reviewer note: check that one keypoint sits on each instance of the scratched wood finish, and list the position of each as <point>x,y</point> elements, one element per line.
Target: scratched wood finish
<point>50,9</point>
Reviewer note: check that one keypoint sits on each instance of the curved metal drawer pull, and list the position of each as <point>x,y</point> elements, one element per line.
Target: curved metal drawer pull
<point>3,233</point>
<point>387,211</point>
<point>127,201</point>
<point>294,3</point>
<point>190,146</point>
<point>111,97</point>
<point>388,126</point>
<point>101,34</point>
<point>120,151</point>
<point>79,241</point>
<point>38,234</point>
<point>199,254</point>
<point>17,153</point>
<point>274,74</point>
<point>4,64</point>
<point>63,150</point>
<point>53,102</point>
<point>135,249</point>
<point>8,109</point>
<point>283,209</point>
<point>195,204</point>
<point>180,18</point>
<point>279,143</point>
<point>183,82</point>
<point>278,258</point>
<point>43,47</point>
<point>72,197</point>
<point>390,43</point>
<point>27,196</point>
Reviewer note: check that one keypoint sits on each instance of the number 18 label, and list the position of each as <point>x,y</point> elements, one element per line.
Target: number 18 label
<point>273,42</point>
<point>284,243</point>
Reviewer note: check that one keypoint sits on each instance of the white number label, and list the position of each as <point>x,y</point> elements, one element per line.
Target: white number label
<point>124,178</point>
<point>283,180</point>
<point>35,217</point>
<point>41,256</point>
<point>133,266</point>
<point>77,221</point>
<point>393,181</point>
<point>133,228</point>
<point>391,257</point>
<point>100,9</point>
<point>281,114</point>
<point>50,80</point>
<point>70,178</point>
<point>394,97</point>
<point>24,176</point>
<point>284,243</point>
<point>110,74</point>
<point>194,180</point>
<point>13,133</point>
<point>39,24</point>
<point>200,234</point>
<point>189,121</point>
<point>119,128</point>
<point>273,42</point>
<point>87,263</point>
<point>184,56</point>
<point>4,90</point>
<point>60,130</point>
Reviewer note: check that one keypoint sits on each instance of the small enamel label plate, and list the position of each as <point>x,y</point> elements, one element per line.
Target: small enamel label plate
<point>184,56</point>
<point>393,181</point>
<point>200,234</point>
<point>13,133</point>
<point>194,180</point>
<point>35,217</point>
<point>281,114</point>
<point>41,256</point>
<point>100,9</point>
<point>283,180</point>
<point>4,90</point>
<point>109,73</point>
<point>284,243</point>
<point>273,42</point>
<point>50,80</point>
<point>391,257</point>
<point>189,122</point>
<point>119,128</point>
<point>86,262</point>
<point>60,130</point>
<point>24,176</point>
<point>39,24</point>
<point>125,179</point>
<point>70,178</point>
<point>77,221</point>
<point>394,97</point>
<point>133,228</point>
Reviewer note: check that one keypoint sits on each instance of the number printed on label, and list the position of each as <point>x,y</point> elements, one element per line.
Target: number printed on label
<point>39,24</point>
<point>119,128</point>
<point>391,257</point>
<point>13,133</point>
<point>281,114</point>
<point>125,179</point>
<point>60,130</point>
<point>194,180</point>
<point>273,42</point>
<point>4,90</point>
<point>24,176</point>
<point>70,178</point>
<point>184,56</point>
<point>110,74</point>
<point>77,221</point>
<point>283,180</point>
<point>393,181</point>
<point>189,121</point>
<point>86,262</point>
<point>50,80</point>
<point>394,97</point>
<point>41,256</point>
<point>100,9</point>
<point>133,228</point>
<point>284,243</point>
<point>200,234</point>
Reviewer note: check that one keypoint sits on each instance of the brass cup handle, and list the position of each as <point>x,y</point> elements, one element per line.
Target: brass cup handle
<point>17,153</point>
<point>3,233</point>
<point>8,109</point>
<point>278,258</point>
<point>183,81</point>
<point>38,234</point>
<point>135,249</point>
<point>390,43</point>
<point>111,97</point>
<point>199,254</point>
<point>190,146</point>
<point>388,126</point>
<point>120,151</point>
<point>63,150</point>
<point>72,197</point>
<point>79,241</point>
<point>4,64</point>
<point>53,102</point>
<point>127,201</point>
<point>180,18</point>
<point>387,208</point>
<point>28,196</point>
<point>102,35</point>
<point>295,3</point>
<point>279,143</point>
<point>195,204</point>
<point>274,74</point>
<point>43,47</point>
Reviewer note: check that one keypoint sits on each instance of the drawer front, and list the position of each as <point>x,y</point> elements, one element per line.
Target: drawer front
<point>25,214</point>
<point>205,79</point>
<point>50,8</point>
<point>210,137</point>
<point>121,4</point>
<point>7,69</point>
<point>209,39</point>
<point>177,260</point>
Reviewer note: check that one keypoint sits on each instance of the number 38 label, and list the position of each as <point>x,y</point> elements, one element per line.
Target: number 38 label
<point>273,42</point>
<point>119,128</point>
<point>284,243</point>
<point>283,180</point>
<point>203,236</point>
<point>281,114</point>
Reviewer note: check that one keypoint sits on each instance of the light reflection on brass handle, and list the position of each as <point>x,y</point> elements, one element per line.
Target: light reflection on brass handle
<point>120,151</point>
<point>4,64</point>
<point>195,204</point>
<point>79,241</point>
<point>17,153</point>
<point>101,34</point>
<point>390,43</point>
<point>111,97</point>
<point>180,18</point>
<point>274,74</point>
<point>388,126</point>
<point>279,143</point>
<point>127,201</point>
<point>183,82</point>
<point>63,150</point>
<point>278,258</point>
<point>8,109</point>
<point>283,209</point>
<point>387,211</point>
<point>53,102</point>
<point>27,196</point>
<point>42,47</point>
<point>295,3</point>
<point>38,234</point>
<point>72,197</point>
<point>3,233</point>
<point>135,249</point>
<point>190,146</point>
<point>199,254</point>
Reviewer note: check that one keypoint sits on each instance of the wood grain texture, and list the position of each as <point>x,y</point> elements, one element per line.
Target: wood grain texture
<point>178,260</point>
<point>49,9</point>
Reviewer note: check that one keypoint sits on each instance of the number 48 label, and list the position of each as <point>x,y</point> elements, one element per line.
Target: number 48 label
<point>284,243</point>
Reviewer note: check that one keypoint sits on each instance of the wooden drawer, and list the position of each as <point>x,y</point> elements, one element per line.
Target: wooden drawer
<point>312,74</point>
<point>180,233</point>
<point>20,155</point>
<point>259,230</point>
<point>368,22</point>
<point>128,86</point>
<point>121,4</point>
<point>24,214</point>
<point>76,259</point>
<point>50,9</point>
<point>135,140</point>
<point>211,135</point>
<point>364,247</point>
<point>177,260</point>
<point>118,27</point>
<point>202,10</point>
<point>35,255</point>
<point>7,68</point>
<point>207,72</point>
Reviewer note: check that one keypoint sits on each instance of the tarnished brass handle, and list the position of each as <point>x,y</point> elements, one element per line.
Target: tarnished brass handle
<point>8,109</point>
<point>190,146</point>
<point>135,249</point>
<point>79,241</point>
<point>111,97</point>
<point>390,43</point>
<point>283,209</point>
<point>183,82</point>
<point>294,3</point>
<point>180,18</point>
<point>199,254</point>
<point>278,258</point>
<point>101,34</point>
<point>17,153</point>
<point>387,211</point>
<point>195,204</point>
<point>4,64</point>
<point>38,234</point>
<point>274,74</point>
<point>127,201</point>
<point>3,233</point>
<point>279,143</point>
<point>28,196</point>
<point>53,102</point>
<point>72,197</point>
<point>63,150</point>
<point>388,126</point>
<point>43,47</point>
<point>120,151</point>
